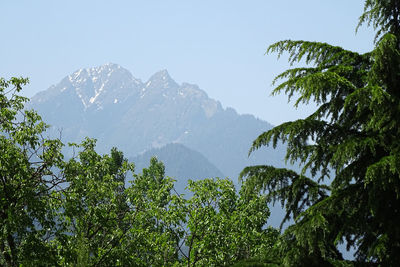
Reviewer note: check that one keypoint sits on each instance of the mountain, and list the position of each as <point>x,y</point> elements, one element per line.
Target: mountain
<point>109,104</point>
<point>180,162</point>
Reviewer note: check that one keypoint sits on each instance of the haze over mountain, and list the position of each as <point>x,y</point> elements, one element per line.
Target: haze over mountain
<point>108,103</point>
<point>180,162</point>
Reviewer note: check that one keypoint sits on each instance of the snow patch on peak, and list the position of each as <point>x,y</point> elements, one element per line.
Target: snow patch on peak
<point>97,93</point>
<point>108,67</point>
<point>78,73</point>
<point>109,74</point>
<point>79,94</point>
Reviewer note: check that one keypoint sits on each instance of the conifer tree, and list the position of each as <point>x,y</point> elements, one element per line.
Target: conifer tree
<point>349,148</point>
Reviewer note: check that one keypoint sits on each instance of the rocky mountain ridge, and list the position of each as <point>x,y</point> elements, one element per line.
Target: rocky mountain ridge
<point>108,103</point>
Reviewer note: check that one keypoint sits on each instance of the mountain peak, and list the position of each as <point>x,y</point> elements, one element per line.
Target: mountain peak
<point>100,85</point>
<point>94,73</point>
<point>107,69</point>
<point>162,73</point>
<point>161,79</point>
<point>112,65</point>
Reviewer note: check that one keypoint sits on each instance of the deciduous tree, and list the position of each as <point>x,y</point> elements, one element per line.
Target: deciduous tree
<point>223,226</point>
<point>28,181</point>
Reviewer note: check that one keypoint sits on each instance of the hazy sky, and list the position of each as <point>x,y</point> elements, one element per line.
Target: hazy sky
<point>218,45</point>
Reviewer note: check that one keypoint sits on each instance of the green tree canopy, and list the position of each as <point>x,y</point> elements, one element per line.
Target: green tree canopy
<point>83,211</point>
<point>28,183</point>
<point>225,227</point>
<point>349,147</point>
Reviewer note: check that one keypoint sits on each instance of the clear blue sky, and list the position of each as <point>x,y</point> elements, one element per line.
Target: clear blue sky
<point>218,45</point>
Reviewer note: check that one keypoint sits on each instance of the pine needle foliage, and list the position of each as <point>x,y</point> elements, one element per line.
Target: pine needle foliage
<point>349,146</point>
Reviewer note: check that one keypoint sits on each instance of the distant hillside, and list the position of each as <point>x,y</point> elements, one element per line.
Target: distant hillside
<point>109,104</point>
<point>180,162</point>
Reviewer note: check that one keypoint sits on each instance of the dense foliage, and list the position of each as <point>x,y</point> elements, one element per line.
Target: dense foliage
<point>84,212</point>
<point>349,149</point>
<point>28,185</point>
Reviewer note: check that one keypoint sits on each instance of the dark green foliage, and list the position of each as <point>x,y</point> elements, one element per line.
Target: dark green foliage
<point>350,142</point>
